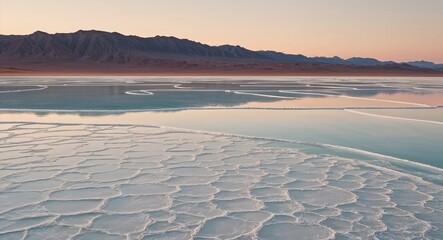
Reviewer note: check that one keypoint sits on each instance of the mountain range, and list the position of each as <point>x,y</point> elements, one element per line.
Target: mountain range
<point>102,52</point>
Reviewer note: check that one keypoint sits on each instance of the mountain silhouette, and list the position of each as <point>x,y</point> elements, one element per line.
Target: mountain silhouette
<point>99,49</point>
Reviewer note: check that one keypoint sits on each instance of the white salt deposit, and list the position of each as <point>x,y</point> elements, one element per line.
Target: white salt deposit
<point>126,182</point>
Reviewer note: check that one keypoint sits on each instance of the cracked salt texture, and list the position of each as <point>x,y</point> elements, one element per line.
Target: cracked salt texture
<point>126,182</point>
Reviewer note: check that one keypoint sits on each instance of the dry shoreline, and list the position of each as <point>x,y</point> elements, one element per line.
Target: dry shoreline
<point>215,73</point>
<point>264,69</point>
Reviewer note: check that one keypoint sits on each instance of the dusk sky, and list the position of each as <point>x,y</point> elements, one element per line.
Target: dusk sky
<point>400,30</point>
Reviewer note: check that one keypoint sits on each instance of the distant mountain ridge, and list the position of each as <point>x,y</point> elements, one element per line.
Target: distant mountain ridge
<point>108,47</point>
<point>426,64</point>
<point>112,47</point>
<point>350,61</point>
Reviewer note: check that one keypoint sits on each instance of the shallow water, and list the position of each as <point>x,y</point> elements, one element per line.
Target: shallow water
<point>392,137</point>
<point>122,94</point>
<point>268,158</point>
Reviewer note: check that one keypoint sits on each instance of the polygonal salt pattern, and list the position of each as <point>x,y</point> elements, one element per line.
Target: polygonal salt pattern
<point>134,182</point>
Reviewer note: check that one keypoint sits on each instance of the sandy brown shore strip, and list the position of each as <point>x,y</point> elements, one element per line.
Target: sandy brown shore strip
<point>10,72</point>
<point>222,69</point>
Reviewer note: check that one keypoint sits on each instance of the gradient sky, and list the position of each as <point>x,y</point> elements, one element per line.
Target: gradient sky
<point>400,30</point>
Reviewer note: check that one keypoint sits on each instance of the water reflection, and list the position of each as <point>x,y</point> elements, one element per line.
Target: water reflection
<point>199,95</point>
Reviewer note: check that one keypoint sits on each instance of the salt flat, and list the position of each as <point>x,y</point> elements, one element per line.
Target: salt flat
<point>86,181</point>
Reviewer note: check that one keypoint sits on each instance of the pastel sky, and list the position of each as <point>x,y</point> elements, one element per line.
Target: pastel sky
<point>400,30</point>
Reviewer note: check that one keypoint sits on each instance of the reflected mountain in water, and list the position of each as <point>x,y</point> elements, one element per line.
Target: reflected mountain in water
<point>141,94</point>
